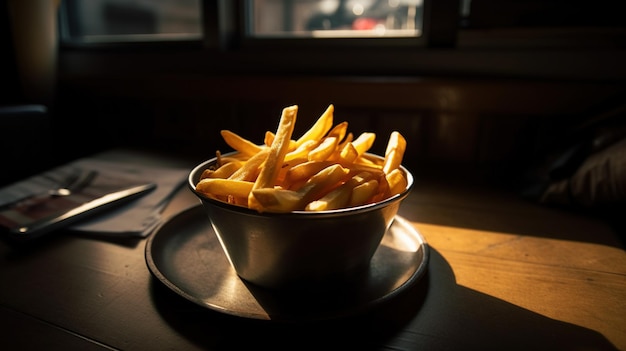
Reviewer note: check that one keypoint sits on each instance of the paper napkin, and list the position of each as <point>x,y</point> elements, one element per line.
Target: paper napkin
<point>135,219</point>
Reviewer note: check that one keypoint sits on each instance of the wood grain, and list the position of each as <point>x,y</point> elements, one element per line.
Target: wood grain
<point>503,274</point>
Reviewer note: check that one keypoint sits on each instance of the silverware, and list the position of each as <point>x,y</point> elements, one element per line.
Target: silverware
<point>84,179</point>
<point>72,185</point>
<point>39,227</point>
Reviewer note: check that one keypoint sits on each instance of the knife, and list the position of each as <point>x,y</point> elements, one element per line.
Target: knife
<point>43,226</point>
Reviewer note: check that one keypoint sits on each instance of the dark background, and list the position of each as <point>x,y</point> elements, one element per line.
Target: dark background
<point>486,100</point>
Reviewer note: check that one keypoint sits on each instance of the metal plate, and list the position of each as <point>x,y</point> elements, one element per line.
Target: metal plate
<point>185,255</point>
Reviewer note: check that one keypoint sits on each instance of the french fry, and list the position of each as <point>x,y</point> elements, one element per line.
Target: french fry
<point>397,182</point>
<point>366,161</point>
<point>277,200</point>
<point>363,192</point>
<point>339,131</point>
<point>348,139</point>
<point>394,153</point>
<point>321,183</point>
<point>269,138</point>
<point>239,158</point>
<point>340,196</point>
<point>225,171</point>
<point>364,142</point>
<point>305,170</point>
<point>207,173</point>
<point>375,161</point>
<point>250,170</point>
<point>224,187</point>
<point>239,143</point>
<point>301,151</point>
<point>287,165</point>
<point>383,189</point>
<point>218,157</point>
<point>336,156</point>
<point>284,200</point>
<point>357,168</point>
<point>323,150</point>
<point>349,153</point>
<point>269,173</point>
<point>320,127</point>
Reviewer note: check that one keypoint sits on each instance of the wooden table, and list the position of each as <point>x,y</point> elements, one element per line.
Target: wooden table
<point>503,274</point>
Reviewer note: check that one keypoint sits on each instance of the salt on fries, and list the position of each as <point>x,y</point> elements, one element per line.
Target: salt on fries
<point>325,169</point>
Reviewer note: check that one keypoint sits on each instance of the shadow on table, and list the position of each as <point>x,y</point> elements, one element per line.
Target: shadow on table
<point>435,314</point>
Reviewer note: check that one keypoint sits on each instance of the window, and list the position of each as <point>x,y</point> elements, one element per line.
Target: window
<point>97,21</point>
<point>450,23</point>
<point>334,18</point>
<point>512,38</point>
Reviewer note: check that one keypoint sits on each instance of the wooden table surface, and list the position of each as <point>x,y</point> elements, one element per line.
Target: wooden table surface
<point>503,274</point>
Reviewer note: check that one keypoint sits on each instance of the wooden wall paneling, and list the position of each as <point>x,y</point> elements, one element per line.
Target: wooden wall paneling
<point>502,137</point>
<point>411,124</point>
<point>453,137</point>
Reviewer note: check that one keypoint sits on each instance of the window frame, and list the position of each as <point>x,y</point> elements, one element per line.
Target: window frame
<point>224,27</point>
<point>444,49</point>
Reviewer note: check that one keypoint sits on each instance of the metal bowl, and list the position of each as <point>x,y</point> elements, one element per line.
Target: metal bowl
<point>300,249</point>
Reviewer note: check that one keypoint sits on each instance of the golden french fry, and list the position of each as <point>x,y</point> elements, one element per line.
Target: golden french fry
<point>277,200</point>
<point>366,161</point>
<point>357,168</point>
<point>321,183</point>
<point>306,170</point>
<point>281,180</point>
<point>269,138</point>
<point>224,187</point>
<point>284,200</point>
<point>364,142</point>
<point>269,173</point>
<point>323,150</point>
<point>218,157</point>
<point>383,189</point>
<point>362,193</point>
<point>349,153</point>
<point>339,131</point>
<point>207,173</point>
<point>397,182</point>
<point>225,171</point>
<point>301,151</point>
<point>239,201</point>
<point>340,196</point>
<point>336,156</point>
<point>239,143</point>
<point>240,158</point>
<point>372,160</point>
<point>394,152</point>
<point>349,138</point>
<point>294,185</point>
<point>251,168</point>
<point>320,127</point>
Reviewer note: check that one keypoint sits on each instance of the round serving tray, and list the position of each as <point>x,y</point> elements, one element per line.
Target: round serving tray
<point>185,255</point>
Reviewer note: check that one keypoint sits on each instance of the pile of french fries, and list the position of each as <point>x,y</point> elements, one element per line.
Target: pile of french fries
<point>325,169</point>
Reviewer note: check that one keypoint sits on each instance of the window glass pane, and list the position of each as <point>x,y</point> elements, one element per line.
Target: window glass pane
<point>334,18</point>
<point>130,20</point>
